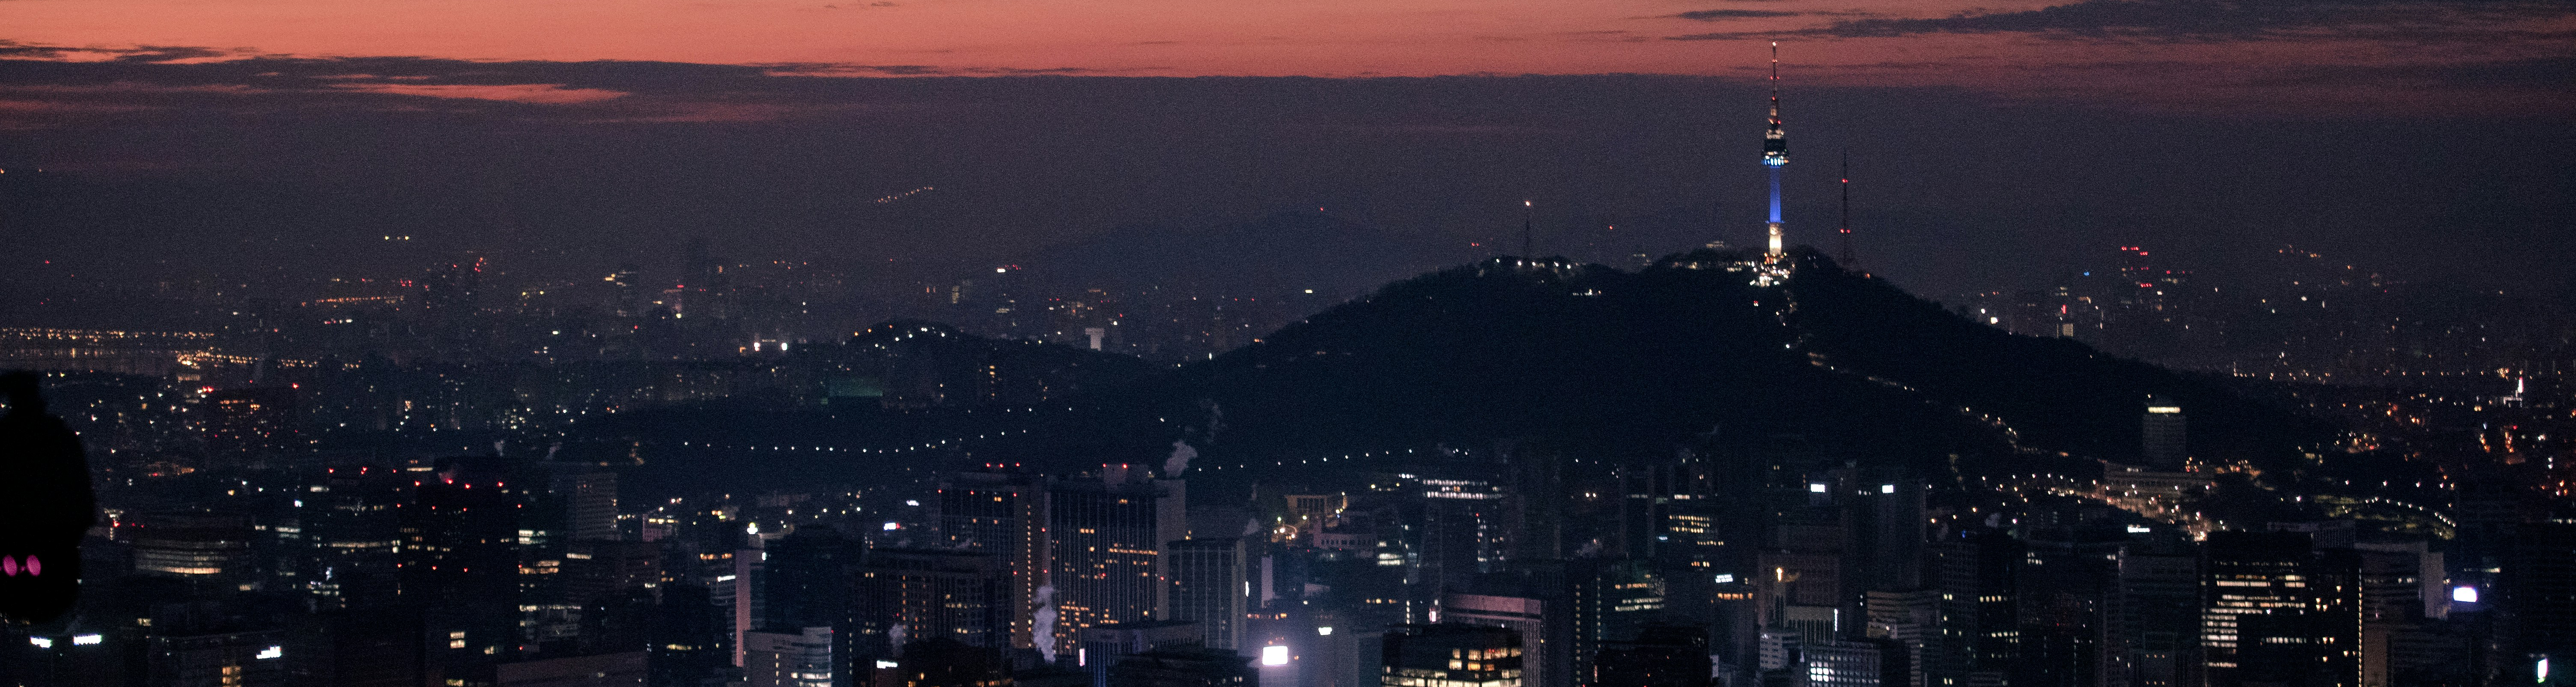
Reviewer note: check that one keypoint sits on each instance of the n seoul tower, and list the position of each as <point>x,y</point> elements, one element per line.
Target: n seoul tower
<point>1775,151</point>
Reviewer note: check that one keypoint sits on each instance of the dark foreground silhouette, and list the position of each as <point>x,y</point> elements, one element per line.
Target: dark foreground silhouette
<point>45,506</point>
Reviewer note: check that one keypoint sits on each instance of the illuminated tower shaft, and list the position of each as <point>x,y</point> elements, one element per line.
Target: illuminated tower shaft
<point>1775,150</point>
<point>1775,210</point>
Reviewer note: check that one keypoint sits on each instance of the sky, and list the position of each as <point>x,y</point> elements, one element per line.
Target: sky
<point>1994,144</point>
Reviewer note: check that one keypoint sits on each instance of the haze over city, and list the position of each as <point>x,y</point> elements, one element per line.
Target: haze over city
<point>1411,343</point>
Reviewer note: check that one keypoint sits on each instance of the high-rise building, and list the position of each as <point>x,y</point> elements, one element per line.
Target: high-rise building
<point>252,418</point>
<point>1780,649</point>
<point>1909,621</point>
<point>914,595</point>
<point>2065,582</point>
<point>1802,590</point>
<point>1004,514</point>
<point>1454,654</point>
<point>1108,536</point>
<point>2278,611</point>
<point>246,659</point>
<point>1209,588</point>
<point>1609,600</point>
<point>1184,666</point>
<point>940,663</point>
<point>1836,663</point>
<point>1546,656</point>
<point>579,502</point>
<point>353,526</point>
<point>1975,570</point>
<point>808,578</point>
<point>620,668</point>
<point>598,569</point>
<point>1662,655</point>
<point>461,519</point>
<point>783,659</point>
<point>2536,603</point>
<point>687,637</point>
<point>2163,441</point>
<point>2152,637</point>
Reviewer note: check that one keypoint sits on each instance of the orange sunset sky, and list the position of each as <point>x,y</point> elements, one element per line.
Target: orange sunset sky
<point>2159,53</point>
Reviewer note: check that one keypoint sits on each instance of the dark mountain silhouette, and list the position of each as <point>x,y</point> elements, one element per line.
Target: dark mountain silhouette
<point>1283,252</point>
<point>1601,363</point>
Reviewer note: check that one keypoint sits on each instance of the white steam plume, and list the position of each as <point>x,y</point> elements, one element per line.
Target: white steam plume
<point>1045,638</point>
<point>1180,460</point>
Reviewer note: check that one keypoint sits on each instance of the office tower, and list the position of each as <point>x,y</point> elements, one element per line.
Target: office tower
<point>599,569</point>
<point>808,579</point>
<point>1884,528</point>
<point>2403,601</point>
<point>2152,639</point>
<point>1311,509</point>
<point>913,595</point>
<point>1209,587</point>
<point>253,418</point>
<point>462,518</point>
<point>621,668</point>
<point>1184,666</point>
<point>1975,571</point>
<point>1837,663</point>
<point>687,648</point>
<point>1608,600</point>
<point>1535,522</point>
<point>1548,664</point>
<point>1466,528</point>
<point>745,604</point>
<point>579,502</point>
<point>459,541</point>
<point>1348,646</point>
<point>1781,649</point>
<point>353,526</point>
<point>1108,536</point>
<point>807,582</point>
<point>1004,514</point>
<point>1102,645</point>
<point>1662,655</point>
<point>2065,580</point>
<point>1801,590</point>
<point>618,621</point>
<point>244,659</point>
<point>2536,603</point>
<point>939,663</point>
<point>212,553</point>
<point>1455,653</point>
<point>2163,441</point>
<point>1909,621</point>
<point>783,659</point>
<point>1737,625</point>
<point>2278,611</point>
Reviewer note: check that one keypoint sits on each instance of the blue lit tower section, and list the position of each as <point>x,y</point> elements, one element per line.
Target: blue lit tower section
<point>1775,149</point>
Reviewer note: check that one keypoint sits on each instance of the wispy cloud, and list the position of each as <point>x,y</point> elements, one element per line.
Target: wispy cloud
<point>2207,20</point>
<point>536,93</point>
<point>1723,15</point>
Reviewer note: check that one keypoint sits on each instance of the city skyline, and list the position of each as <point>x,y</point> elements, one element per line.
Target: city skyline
<point>1419,343</point>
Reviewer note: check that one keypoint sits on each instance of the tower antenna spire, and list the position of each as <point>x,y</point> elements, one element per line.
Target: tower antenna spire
<point>1528,234</point>
<point>1848,260</point>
